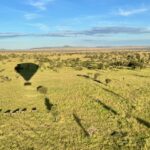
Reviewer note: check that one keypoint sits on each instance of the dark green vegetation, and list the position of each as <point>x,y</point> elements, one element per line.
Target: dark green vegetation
<point>94,100</point>
<point>131,60</point>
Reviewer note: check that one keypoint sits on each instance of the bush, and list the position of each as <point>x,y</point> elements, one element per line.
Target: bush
<point>79,68</point>
<point>107,81</point>
<point>135,64</point>
<point>89,65</point>
<point>42,89</point>
<point>100,66</point>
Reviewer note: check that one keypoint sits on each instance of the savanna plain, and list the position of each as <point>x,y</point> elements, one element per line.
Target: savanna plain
<point>76,101</point>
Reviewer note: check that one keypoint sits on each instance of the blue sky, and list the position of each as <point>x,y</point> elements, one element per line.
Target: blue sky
<point>47,23</point>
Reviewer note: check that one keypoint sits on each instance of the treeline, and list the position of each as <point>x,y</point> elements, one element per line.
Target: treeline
<point>95,60</point>
<point>102,60</point>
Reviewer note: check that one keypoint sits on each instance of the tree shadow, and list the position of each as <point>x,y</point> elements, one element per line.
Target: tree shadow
<point>120,134</point>
<point>87,77</point>
<point>16,110</point>
<point>112,92</point>
<point>24,109</point>
<point>98,81</point>
<point>107,107</point>
<point>7,111</point>
<point>78,121</point>
<point>128,104</point>
<point>34,109</point>
<point>142,76</point>
<point>48,104</point>
<point>143,122</point>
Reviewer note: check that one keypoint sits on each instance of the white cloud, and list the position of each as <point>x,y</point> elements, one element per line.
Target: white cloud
<point>92,32</point>
<point>41,26</point>
<point>31,16</point>
<point>40,4</point>
<point>123,12</point>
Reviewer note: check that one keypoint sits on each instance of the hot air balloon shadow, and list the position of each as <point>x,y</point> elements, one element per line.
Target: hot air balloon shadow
<point>26,70</point>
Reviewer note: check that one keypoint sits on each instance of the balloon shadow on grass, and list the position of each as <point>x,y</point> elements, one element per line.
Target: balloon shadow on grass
<point>26,70</point>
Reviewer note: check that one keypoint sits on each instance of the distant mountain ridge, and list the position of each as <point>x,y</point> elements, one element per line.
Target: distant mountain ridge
<point>71,48</point>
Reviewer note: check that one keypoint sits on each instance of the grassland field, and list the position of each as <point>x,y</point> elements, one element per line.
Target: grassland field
<point>86,114</point>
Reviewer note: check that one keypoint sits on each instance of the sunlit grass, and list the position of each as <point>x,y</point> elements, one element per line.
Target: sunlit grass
<point>128,94</point>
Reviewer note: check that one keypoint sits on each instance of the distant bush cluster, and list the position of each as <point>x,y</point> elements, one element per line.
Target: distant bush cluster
<point>91,61</point>
<point>103,60</point>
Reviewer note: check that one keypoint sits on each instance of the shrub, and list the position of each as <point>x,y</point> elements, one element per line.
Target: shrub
<point>100,66</point>
<point>107,81</point>
<point>79,68</point>
<point>135,64</point>
<point>42,89</point>
<point>89,65</point>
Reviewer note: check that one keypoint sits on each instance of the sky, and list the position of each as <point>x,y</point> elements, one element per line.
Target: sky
<point>28,24</point>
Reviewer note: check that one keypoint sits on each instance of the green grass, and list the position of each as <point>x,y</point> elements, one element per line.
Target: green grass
<point>128,94</point>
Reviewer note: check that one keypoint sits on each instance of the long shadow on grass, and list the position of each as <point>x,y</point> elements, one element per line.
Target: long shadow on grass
<point>112,92</point>
<point>48,104</point>
<point>98,81</point>
<point>24,109</point>
<point>78,121</point>
<point>7,111</point>
<point>143,122</point>
<point>118,95</point>
<point>142,76</point>
<point>16,110</point>
<point>87,77</point>
<point>107,107</point>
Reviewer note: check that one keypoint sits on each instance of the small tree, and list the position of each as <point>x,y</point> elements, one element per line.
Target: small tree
<point>42,89</point>
<point>100,66</point>
<point>107,81</point>
<point>135,64</point>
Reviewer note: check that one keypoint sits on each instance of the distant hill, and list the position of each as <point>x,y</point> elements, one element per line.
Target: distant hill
<point>68,48</point>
